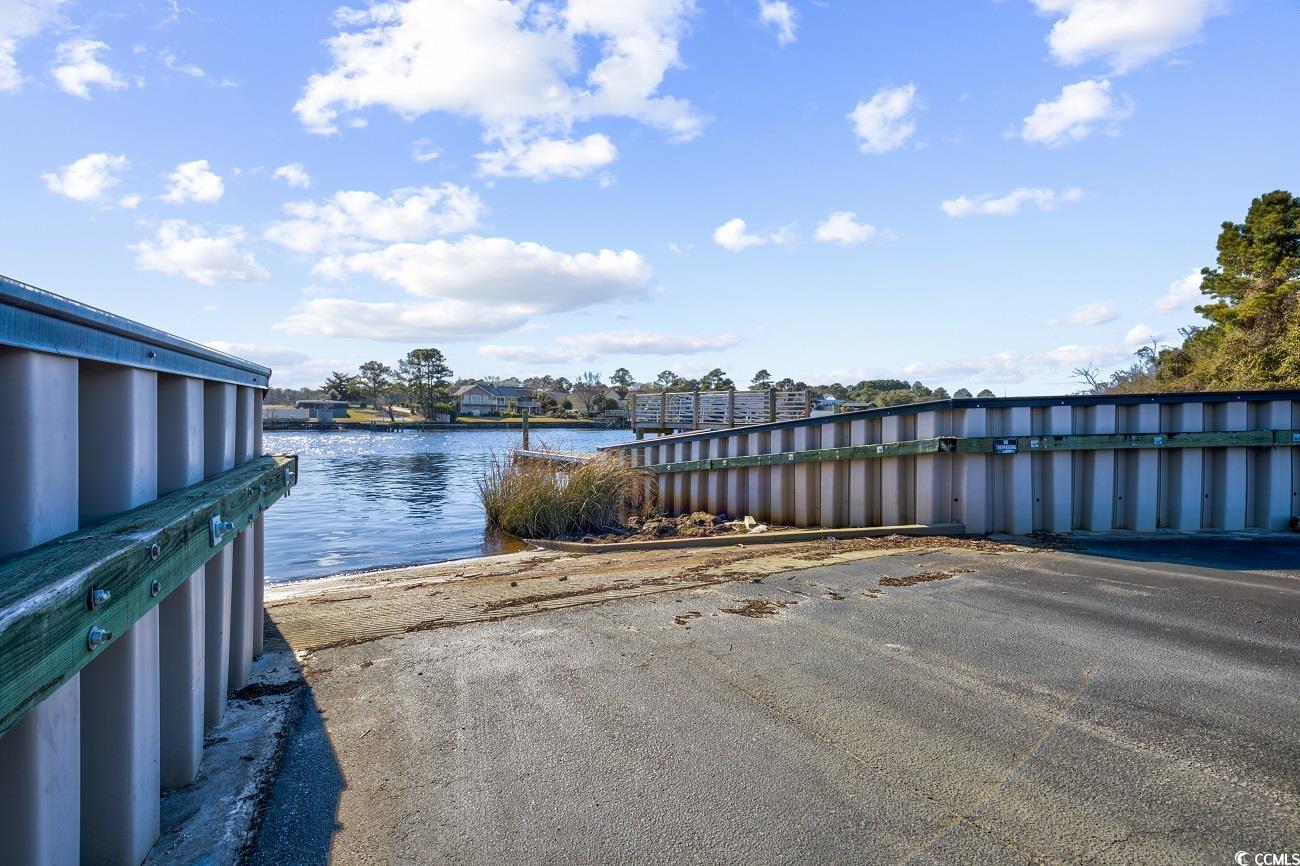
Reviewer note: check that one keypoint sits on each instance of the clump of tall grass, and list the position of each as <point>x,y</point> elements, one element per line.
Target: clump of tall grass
<point>542,499</point>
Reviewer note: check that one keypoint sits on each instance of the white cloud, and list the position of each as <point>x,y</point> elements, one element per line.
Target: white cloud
<point>884,122</point>
<point>1012,367</point>
<point>1142,335</point>
<point>1073,115</point>
<point>1127,32</point>
<point>87,179</point>
<point>169,60</point>
<point>356,218</point>
<point>185,250</point>
<point>1183,294</point>
<point>470,288</point>
<point>545,158</point>
<point>267,356</point>
<point>193,181</point>
<point>1009,204</point>
<point>734,235</point>
<point>587,347</point>
<point>130,202</point>
<point>21,20</point>
<point>780,15</point>
<point>523,70</point>
<point>294,174</point>
<point>422,150</point>
<point>1096,313</point>
<point>842,227</point>
<point>78,68</point>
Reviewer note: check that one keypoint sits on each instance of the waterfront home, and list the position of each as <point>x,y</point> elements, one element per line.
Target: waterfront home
<point>487,399</point>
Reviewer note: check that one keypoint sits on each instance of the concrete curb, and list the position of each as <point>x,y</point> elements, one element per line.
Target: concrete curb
<point>778,537</point>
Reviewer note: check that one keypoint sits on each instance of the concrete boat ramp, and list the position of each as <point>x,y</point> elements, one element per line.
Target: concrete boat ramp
<point>871,701</point>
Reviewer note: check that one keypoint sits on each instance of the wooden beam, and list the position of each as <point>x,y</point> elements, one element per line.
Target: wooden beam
<point>137,558</point>
<point>996,446</point>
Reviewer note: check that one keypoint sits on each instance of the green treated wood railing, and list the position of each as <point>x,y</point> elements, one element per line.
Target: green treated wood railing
<point>991,445</point>
<point>62,603</point>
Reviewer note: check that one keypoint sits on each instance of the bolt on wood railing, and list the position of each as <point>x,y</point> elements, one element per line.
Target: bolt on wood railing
<point>62,604</point>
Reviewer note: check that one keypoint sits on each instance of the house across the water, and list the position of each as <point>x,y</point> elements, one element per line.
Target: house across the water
<point>486,398</point>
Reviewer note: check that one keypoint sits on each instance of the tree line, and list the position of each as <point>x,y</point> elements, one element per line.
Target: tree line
<point>1250,339</point>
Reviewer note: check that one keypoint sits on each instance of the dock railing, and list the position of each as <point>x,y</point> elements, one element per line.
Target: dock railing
<point>1139,462</point>
<point>708,410</point>
<point>132,487</point>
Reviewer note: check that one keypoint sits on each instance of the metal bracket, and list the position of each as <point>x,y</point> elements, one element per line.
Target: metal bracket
<point>218,529</point>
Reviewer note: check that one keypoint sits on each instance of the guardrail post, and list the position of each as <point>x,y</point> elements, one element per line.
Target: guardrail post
<point>218,456</point>
<point>970,493</point>
<point>180,615</point>
<point>734,495</point>
<point>1096,474</point>
<point>241,567</point>
<point>1278,502</point>
<point>1142,472</point>
<point>1184,470</point>
<point>863,484</point>
<point>1058,475</point>
<point>40,756</point>
<point>731,408</point>
<point>807,496</point>
<point>933,502</point>
<point>1017,475</point>
<point>895,479</point>
<point>1228,487</point>
<point>757,488</point>
<point>120,739</point>
<point>834,483</point>
<point>771,405</point>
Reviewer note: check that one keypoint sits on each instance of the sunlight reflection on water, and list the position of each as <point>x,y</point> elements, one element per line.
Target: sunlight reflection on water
<point>375,500</point>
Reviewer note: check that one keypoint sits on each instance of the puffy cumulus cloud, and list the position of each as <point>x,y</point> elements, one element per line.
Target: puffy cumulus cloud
<point>20,20</point>
<point>842,227</point>
<point>545,158</point>
<point>1010,204</point>
<point>1142,335</point>
<point>470,288</point>
<point>586,347</point>
<point>523,70</point>
<point>1183,294</point>
<point>77,68</point>
<point>267,356</point>
<point>180,249</point>
<point>1128,33</point>
<point>493,270</point>
<point>1075,113</point>
<point>734,235</point>
<point>1096,313</point>
<point>294,174</point>
<point>779,15</point>
<point>194,181</point>
<point>352,219</point>
<point>884,122</point>
<point>88,179</point>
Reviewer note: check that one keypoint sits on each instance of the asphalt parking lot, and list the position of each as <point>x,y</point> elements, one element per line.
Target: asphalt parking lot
<point>1130,702</point>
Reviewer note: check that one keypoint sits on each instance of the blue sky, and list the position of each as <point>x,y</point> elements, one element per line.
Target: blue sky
<point>971,193</point>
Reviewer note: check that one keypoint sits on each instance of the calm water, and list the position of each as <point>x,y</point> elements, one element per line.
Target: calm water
<point>370,500</point>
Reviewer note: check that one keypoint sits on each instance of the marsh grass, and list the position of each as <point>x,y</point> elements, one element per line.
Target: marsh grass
<point>541,499</point>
